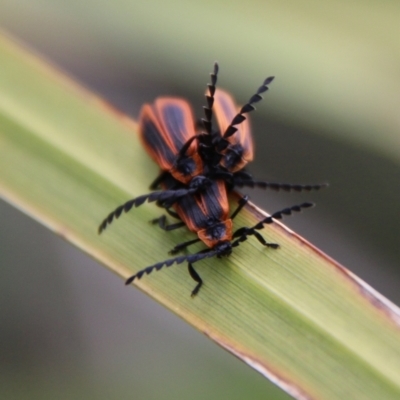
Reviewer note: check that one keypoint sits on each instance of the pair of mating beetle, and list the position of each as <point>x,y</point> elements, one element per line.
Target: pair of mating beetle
<point>198,168</point>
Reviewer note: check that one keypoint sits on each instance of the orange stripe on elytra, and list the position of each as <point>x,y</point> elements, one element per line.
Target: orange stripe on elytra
<point>147,113</point>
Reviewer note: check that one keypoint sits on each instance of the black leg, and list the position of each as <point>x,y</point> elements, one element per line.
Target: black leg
<point>261,239</point>
<point>154,185</point>
<point>173,214</point>
<point>196,277</point>
<point>168,210</point>
<point>242,202</point>
<point>245,232</point>
<point>183,245</point>
<point>162,223</point>
<point>240,232</point>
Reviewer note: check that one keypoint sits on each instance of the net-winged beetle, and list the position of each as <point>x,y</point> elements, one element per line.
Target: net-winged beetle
<point>167,130</point>
<point>198,169</point>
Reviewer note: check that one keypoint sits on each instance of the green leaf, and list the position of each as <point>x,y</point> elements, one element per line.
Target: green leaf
<point>293,314</point>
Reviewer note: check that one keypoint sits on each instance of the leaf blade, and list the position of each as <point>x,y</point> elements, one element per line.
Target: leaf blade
<point>293,314</point>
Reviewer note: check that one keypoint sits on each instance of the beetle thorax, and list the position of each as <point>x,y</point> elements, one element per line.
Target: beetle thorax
<point>223,248</point>
<point>185,165</point>
<point>216,233</point>
<point>232,157</point>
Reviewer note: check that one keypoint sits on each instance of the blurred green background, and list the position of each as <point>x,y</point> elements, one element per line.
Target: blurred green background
<point>69,328</point>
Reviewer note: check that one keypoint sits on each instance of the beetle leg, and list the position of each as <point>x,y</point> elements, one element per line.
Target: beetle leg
<point>162,223</point>
<point>242,202</point>
<point>173,214</point>
<point>261,239</point>
<point>196,277</point>
<point>156,183</point>
<point>183,245</point>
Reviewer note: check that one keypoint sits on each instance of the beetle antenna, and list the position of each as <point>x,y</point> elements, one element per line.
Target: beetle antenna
<point>192,258</point>
<point>210,100</point>
<point>207,121</point>
<point>244,232</point>
<point>163,196</point>
<point>287,187</point>
<point>248,107</point>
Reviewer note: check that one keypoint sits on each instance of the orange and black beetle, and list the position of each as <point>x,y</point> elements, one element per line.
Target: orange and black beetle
<point>168,133</point>
<point>165,127</point>
<point>198,168</point>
